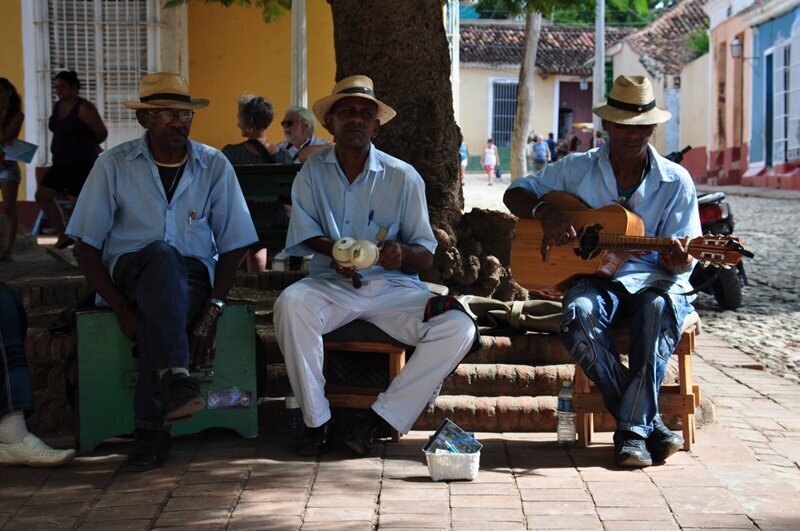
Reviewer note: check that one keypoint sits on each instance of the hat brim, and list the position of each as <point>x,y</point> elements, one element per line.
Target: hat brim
<point>323,105</point>
<point>167,104</point>
<point>619,116</point>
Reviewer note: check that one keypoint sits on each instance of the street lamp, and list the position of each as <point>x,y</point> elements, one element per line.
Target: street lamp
<point>737,46</point>
<point>584,84</point>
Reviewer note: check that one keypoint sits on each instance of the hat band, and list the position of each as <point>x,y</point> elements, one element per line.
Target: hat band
<point>166,96</point>
<point>358,90</point>
<point>631,106</point>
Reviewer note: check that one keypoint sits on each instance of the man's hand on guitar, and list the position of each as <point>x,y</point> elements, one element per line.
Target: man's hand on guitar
<point>675,258</point>
<point>556,228</point>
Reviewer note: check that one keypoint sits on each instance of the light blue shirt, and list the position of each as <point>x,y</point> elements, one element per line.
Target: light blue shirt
<point>123,206</point>
<point>666,201</point>
<point>388,193</point>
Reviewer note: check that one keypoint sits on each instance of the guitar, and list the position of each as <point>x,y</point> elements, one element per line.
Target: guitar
<point>607,238</point>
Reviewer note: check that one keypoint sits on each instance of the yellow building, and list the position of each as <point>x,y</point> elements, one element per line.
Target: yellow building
<point>224,52</point>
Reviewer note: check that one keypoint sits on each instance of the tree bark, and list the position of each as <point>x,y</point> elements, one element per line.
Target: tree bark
<point>402,46</point>
<point>522,121</point>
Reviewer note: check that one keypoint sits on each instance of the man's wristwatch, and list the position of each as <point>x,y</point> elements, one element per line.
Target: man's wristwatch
<point>219,303</point>
<point>535,208</point>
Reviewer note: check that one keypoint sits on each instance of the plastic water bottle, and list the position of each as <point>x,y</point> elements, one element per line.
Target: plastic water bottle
<point>294,417</point>
<point>566,415</point>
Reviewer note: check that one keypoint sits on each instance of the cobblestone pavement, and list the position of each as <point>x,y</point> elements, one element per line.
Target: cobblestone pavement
<point>767,325</point>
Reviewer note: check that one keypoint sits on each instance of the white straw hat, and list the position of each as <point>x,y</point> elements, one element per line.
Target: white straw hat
<point>163,90</point>
<point>631,102</point>
<point>352,87</point>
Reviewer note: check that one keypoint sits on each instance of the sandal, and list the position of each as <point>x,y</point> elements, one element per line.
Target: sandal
<point>64,242</point>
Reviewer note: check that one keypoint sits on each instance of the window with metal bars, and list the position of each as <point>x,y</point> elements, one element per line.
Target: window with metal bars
<point>781,107</point>
<point>111,44</point>
<point>792,84</point>
<point>504,110</point>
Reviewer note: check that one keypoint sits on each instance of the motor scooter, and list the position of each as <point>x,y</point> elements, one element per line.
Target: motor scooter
<point>716,217</point>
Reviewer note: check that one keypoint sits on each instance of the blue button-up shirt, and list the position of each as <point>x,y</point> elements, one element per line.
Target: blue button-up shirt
<point>666,201</point>
<point>123,206</point>
<point>388,194</point>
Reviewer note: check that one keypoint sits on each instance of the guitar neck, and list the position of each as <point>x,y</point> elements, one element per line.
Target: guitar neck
<point>633,243</point>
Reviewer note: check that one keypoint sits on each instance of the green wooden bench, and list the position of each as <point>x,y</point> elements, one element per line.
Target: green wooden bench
<point>266,188</point>
<point>108,373</point>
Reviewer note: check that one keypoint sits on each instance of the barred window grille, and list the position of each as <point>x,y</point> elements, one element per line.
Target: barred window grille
<point>111,44</point>
<point>781,110</point>
<point>504,110</point>
<point>792,80</point>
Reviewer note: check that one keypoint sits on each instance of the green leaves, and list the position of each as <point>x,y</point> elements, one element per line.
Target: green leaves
<point>271,10</point>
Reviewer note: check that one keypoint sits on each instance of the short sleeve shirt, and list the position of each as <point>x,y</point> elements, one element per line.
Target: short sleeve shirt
<point>666,201</point>
<point>388,194</point>
<point>123,206</point>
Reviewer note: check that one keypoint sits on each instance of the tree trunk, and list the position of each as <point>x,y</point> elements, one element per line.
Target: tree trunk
<point>522,121</point>
<point>402,46</point>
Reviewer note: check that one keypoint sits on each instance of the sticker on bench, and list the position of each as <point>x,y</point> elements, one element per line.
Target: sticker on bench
<point>232,398</point>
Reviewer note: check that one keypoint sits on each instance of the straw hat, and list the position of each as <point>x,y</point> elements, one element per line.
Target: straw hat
<point>631,102</point>
<point>352,87</point>
<point>163,90</point>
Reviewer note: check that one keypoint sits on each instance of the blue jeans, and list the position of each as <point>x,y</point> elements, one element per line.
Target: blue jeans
<point>16,390</point>
<point>591,308</point>
<point>168,290</point>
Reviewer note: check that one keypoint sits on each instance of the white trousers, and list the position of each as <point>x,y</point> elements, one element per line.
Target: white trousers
<point>312,307</point>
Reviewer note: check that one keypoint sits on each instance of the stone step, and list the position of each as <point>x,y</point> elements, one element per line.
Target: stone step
<point>499,379</point>
<point>492,414</point>
<point>472,379</point>
<point>528,349</point>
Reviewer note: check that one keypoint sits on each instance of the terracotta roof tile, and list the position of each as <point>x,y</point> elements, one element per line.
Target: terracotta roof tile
<point>661,44</point>
<point>568,49</point>
<point>562,49</point>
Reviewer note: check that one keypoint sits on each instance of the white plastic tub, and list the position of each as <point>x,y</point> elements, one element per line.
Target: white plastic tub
<point>445,466</point>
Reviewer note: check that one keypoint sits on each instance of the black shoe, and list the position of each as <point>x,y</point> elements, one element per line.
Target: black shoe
<point>180,395</point>
<point>316,442</point>
<point>630,450</point>
<point>150,450</point>
<point>662,443</point>
<point>361,431</point>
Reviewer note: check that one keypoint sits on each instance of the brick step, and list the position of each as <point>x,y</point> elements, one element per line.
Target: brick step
<point>529,349</point>
<point>483,379</point>
<point>58,293</point>
<point>499,414</point>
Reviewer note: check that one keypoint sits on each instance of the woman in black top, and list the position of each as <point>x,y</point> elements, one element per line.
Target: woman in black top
<point>78,132</point>
<point>254,116</point>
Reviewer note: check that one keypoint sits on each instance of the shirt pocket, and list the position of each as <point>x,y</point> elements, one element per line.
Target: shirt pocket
<point>391,230</point>
<point>198,237</point>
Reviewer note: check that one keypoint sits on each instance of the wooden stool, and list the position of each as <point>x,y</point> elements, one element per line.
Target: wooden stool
<point>363,397</point>
<point>673,399</point>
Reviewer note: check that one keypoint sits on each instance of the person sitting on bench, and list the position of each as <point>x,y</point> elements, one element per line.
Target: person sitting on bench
<point>355,190</point>
<point>17,445</point>
<point>647,289</point>
<point>162,226</point>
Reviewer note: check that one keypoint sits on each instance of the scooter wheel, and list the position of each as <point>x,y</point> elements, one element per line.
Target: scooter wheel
<point>728,289</point>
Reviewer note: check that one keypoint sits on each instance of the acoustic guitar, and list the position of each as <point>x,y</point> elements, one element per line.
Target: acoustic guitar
<point>607,238</point>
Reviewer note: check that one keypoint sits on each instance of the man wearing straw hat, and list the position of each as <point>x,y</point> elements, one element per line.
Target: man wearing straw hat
<point>647,289</point>
<point>355,190</point>
<point>161,227</point>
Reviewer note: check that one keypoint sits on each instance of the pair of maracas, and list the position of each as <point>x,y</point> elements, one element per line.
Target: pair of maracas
<point>361,254</point>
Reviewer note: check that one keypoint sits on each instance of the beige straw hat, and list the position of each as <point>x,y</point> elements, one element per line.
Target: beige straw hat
<point>631,102</point>
<point>353,86</point>
<point>163,90</point>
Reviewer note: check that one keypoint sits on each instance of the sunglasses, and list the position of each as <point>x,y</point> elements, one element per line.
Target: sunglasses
<point>287,123</point>
<point>166,116</point>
